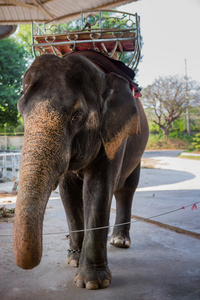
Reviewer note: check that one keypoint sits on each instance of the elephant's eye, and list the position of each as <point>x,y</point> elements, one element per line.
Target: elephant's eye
<point>76,117</point>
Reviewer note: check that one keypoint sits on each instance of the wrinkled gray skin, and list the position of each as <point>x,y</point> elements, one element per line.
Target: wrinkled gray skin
<point>85,132</point>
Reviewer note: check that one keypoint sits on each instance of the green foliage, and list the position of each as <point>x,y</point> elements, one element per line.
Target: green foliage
<point>195,118</point>
<point>180,125</point>
<point>23,36</point>
<point>196,142</point>
<point>20,128</point>
<point>64,27</point>
<point>13,63</point>
<point>153,128</point>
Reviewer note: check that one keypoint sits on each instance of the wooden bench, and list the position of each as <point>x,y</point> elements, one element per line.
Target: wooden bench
<point>121,41</point>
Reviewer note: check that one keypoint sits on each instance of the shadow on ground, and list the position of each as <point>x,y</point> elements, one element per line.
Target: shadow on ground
<point>156,177</point>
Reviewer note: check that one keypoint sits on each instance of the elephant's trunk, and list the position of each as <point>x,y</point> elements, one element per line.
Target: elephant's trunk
<point>28,221</point>
<point>41,164</point>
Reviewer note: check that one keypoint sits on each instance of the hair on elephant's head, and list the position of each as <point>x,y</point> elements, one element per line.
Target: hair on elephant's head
<point>71,112</point>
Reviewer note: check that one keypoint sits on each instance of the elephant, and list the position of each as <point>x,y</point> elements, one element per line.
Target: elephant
<point>85,132</point>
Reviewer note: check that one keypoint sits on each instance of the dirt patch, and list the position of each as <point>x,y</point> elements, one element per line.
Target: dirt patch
<point>147,163</point>
<point>6,215</point>
<point>196,151</point>
<point>155,143</point>
<point>7,194</point>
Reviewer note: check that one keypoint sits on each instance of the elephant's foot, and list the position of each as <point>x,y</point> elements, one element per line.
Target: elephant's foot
<point>73,258</point>
<point>120,241</point>
<point>93,279</point>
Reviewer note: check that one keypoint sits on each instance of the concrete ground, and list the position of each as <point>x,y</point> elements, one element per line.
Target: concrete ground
<point>161,264</point>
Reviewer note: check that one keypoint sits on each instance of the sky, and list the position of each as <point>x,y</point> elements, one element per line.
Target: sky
<point>171,34</point>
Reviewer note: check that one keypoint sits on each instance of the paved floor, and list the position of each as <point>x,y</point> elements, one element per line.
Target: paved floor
<point>160,264</point>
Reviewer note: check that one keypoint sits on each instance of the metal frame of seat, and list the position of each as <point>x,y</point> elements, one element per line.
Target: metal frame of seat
<point>106,31</point>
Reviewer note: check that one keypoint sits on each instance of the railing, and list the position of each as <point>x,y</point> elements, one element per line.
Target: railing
<point>9,166</point>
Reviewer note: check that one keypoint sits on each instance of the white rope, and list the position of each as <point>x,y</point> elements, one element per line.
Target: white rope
<point>111,226</point>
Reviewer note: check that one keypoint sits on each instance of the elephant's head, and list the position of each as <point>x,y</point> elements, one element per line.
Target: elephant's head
<point>71,111</point>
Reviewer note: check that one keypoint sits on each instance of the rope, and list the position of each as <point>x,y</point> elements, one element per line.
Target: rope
<point>194,206</point>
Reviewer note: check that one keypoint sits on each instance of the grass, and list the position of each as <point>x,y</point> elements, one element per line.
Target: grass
<point>190,157</point>
<point>156,142</point>
<point>162,143</point>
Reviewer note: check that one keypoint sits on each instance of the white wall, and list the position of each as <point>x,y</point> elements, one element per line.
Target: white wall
<point>11,142</point>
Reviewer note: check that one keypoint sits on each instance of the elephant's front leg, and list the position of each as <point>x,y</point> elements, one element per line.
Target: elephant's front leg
<point>93,271</point>
<point>71,194</point>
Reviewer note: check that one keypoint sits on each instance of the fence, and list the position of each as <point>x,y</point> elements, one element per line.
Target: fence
<point>9,166</point>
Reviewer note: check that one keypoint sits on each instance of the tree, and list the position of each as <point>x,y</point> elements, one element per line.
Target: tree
<point>196,142</point>
<point>23,35</point>
<point>166,100</point>
<point>13,63</point>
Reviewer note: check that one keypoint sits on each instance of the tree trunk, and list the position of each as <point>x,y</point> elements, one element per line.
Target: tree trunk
<point>166,132</point>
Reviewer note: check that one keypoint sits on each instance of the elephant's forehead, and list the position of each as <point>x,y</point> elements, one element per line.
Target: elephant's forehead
<point>43,116</point>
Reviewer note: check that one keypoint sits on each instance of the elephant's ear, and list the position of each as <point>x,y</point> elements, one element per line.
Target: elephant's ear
<point>121,118</point>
